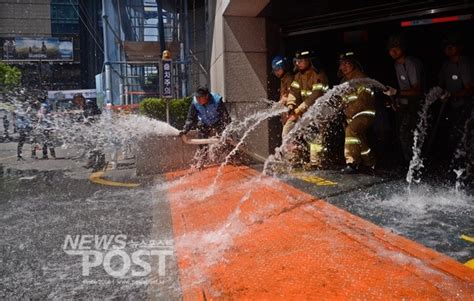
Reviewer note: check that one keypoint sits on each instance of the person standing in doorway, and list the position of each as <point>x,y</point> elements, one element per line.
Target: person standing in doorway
<point>407,97</point>
<point>457,78</point>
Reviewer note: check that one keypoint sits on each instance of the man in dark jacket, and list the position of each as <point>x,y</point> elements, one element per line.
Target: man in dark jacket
<point>207,113</point>
<point>90,114</point>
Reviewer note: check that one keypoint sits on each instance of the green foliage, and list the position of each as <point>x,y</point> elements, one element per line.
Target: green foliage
<point>10,76</point>
<point>156,108</point>
<point>153,108</point>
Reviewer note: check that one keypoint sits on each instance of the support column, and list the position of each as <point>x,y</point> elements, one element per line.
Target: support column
<point>108,79</point>
<point>239,63</point>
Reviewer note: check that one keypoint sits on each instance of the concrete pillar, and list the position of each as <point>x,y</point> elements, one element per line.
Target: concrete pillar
<point>239,63</point>
<point>160,154</point>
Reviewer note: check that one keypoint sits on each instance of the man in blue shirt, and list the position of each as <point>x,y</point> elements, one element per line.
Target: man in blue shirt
<point>207,113</point>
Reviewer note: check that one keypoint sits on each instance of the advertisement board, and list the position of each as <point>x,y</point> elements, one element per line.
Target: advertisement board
<point>38,49</point>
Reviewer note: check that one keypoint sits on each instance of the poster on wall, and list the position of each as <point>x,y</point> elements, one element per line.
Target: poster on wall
<point>38,49</point>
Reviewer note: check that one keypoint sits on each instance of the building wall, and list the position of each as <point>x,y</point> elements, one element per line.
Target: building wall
<point>239,63</point>
<point>217,50</point>
<point>198,46</point>
<point>54,18</point>
<point>28,18</point>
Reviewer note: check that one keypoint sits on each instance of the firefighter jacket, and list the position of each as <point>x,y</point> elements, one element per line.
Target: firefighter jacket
<point>361,100</point>
<point>359,108</point>
<point>285,83</point>
<point>306,87</point>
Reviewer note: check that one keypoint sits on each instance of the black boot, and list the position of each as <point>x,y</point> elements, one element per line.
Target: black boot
<point>99,163</point>
<point>350,169</point>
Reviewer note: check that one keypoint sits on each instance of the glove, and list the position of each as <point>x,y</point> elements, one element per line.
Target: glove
<point>283,99</point>
<point>291,108</point>
<point>293,118</point>
<point>390,91</point>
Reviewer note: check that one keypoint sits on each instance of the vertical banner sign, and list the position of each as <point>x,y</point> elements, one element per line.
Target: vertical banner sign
<point>167,87</point>
<point>167,92</point>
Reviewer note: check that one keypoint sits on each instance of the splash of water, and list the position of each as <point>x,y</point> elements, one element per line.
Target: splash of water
<point>71,129</point>
<point>416,162</point>
<point>325,110</point>
<point>253,121</point>
<point>458,185</point>
<point>464,153</point>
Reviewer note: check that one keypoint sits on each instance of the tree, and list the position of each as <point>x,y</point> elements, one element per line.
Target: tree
<point>10,76</point>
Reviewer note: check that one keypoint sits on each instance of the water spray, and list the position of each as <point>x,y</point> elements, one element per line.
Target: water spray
<point>416,163</point>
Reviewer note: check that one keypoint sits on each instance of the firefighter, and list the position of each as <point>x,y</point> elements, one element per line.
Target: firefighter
<point>279,67</point>
<point>281,71</point>
<point>359,109</point>
<point>308,85</point>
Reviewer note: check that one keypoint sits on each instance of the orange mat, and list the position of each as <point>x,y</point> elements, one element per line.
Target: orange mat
<point>257,238</point>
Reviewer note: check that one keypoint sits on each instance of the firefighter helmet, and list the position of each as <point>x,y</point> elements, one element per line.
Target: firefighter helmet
<point>352,58</point>
<point>278,62</point>
<point>305,54</point>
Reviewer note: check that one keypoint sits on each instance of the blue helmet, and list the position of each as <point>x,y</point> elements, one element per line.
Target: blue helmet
<point>278,62</point>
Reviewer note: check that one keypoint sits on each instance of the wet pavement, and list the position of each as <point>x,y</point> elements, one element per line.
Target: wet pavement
<point>257,238</point>
<point>45,203</point>
<point>434,215</point>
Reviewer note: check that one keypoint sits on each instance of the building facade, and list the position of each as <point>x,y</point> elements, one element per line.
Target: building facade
<point>55,43</point>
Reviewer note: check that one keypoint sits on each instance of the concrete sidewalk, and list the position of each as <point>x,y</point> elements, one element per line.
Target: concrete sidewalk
<point>65,161</point>
<point>69,161</point>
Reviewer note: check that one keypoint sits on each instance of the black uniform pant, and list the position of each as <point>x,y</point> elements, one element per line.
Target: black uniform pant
<point>6,125</point>
<point>47,142</point>
<point>21,140</point>
<point>406,118</point>
<point>206,131</point>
